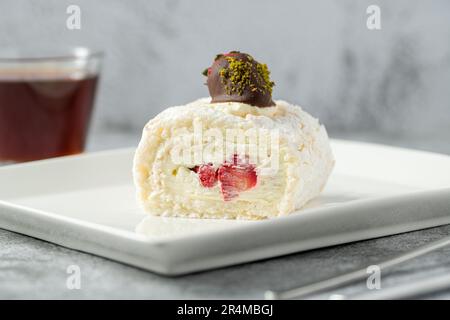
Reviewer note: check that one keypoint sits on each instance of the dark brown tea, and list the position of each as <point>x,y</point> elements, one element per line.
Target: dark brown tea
<point>44,117</point>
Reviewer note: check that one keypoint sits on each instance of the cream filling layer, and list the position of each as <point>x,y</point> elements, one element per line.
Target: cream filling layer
<point>177,188</point>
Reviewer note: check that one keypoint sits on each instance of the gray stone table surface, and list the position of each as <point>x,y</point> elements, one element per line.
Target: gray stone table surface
<point>31,268</point>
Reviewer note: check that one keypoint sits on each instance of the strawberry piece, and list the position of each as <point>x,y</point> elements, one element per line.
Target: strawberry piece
<point>236,177</point>
<point>207,175</point>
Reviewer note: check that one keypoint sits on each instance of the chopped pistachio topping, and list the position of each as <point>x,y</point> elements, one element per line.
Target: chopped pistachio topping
<point>242,74</point>
<point>264,73</point>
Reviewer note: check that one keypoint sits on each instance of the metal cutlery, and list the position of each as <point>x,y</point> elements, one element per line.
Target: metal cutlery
<point>362,274</point>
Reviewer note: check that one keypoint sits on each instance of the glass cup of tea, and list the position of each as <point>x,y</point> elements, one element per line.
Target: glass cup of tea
<point>46,104</point>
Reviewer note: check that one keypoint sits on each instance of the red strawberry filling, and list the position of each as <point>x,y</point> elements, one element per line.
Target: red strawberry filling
<point>207,175</point>
<point>234,177</point>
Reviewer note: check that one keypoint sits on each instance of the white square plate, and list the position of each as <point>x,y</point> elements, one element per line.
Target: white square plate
<point>87,203</point>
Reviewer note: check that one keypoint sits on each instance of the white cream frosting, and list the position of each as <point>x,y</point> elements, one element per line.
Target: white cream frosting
<point>167,188</point>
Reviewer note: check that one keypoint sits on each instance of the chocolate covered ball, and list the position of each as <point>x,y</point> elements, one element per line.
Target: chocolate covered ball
<point>237,77</point>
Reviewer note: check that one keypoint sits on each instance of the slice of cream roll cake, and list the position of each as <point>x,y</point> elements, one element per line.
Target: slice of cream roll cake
<point>236,155</point>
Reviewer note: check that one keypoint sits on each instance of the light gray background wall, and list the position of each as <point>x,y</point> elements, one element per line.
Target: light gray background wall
<point>393,83</point>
